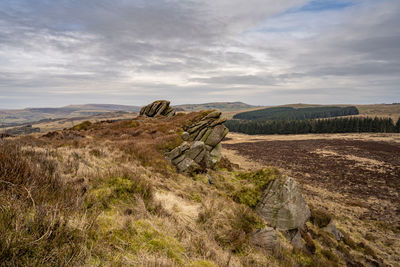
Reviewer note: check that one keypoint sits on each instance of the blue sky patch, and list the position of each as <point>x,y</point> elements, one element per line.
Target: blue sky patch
<point>323,5</point>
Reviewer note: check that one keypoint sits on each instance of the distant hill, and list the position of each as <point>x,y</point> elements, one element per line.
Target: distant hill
<point>222,106</point>
<point>29,115</point>
<point>109,107</point>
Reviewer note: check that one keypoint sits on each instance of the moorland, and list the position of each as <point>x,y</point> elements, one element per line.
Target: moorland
<point>99,191</point>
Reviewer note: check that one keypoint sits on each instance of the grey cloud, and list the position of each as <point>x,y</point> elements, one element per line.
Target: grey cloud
<point>239,80</point>
<point>196,50</point>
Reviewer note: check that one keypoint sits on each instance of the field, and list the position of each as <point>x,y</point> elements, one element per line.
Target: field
<point>355,176</point>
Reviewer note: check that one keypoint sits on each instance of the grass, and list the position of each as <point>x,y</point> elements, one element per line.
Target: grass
<point>111,190</point>
<point>36,211</point>
<point>230,227</point>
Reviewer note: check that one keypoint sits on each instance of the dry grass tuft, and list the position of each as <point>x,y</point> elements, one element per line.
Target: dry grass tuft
<point>230,224</point>
<point>35,211</point>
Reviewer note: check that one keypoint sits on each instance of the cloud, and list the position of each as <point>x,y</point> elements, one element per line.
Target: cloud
<point>259,51</point>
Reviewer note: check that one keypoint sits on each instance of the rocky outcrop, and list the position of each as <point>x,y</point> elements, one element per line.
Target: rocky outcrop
<point>283,205</point>
<point>158,108</point>
<point>202,144</point>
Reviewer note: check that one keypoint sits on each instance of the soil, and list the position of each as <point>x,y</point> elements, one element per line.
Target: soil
<point>366,171</point>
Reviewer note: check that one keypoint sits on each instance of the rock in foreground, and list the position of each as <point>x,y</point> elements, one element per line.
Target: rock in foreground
<point>283,205</point>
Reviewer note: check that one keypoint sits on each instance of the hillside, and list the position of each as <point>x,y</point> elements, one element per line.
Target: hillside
<point>10,118</point>
<point>104,194</point>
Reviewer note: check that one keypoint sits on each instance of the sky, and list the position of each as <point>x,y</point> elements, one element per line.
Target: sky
<point>262,52</point>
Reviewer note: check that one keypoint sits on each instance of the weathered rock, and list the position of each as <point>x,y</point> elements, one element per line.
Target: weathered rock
<point>206,135</point>
<point>198,126</point>
<point>177,151</point>
<point>331,228</point>
<point>178,160</point>
<point>159,107</point>
<point>209,148</point>
<point>200,156</point>
<point>283,205</point>
<point>266,239</point>
<point>188,165</point>
<point>216,153</point>
<point>297,241</point>
<point>196,148</point>
<point>203,148</point>
<point>213,115</point>
<point>216,136</point>
<point>217,122</point>
<point>200,134</point>
<point>185,136</point>
<point>170,112</point>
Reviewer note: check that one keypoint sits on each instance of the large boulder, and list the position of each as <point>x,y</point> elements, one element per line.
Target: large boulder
<point>283,205</point>
<point>157,108</point>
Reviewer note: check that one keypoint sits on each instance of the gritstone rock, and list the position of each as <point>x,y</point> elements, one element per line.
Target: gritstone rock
<point>202,148</point>
<point>216,135</point>
<point>159,107</point>
<point>283,205</point>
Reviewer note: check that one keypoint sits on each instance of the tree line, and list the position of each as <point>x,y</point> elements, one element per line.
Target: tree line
<point>289,113</point>
<point>336,125</point>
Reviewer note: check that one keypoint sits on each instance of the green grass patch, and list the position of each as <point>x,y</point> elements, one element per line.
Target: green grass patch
<point>116,189</point>
<point>142,236</point>
<point>254,184</point>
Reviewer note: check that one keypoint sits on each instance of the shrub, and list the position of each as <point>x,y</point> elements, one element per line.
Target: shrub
<point>226,164</point>
<point>83,126</point>
<point>247,195</point>
<point>257,181</point>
